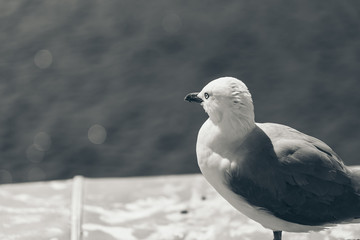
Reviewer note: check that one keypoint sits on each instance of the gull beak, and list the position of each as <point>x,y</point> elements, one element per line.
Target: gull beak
<point>193,97</point>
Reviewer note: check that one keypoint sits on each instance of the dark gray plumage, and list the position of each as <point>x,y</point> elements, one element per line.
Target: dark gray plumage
<point>295,177</point>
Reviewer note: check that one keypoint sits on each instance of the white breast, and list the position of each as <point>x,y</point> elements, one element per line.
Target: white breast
<point>214,166</point>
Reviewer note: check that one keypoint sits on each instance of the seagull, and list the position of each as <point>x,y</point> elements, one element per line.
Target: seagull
<point>280,177</point>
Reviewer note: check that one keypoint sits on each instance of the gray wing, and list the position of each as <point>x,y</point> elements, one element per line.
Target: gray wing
<point>302,180</point>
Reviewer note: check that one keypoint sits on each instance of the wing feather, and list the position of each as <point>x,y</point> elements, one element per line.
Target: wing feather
<point>303,181</point>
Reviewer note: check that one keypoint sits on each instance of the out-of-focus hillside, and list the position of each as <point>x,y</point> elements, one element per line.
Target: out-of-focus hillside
<point>96,87</point>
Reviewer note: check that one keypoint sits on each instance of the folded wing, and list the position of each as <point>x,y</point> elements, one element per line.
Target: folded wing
<point>301,179</point>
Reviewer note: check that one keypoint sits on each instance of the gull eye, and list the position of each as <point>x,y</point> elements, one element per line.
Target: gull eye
<point>206,95</point>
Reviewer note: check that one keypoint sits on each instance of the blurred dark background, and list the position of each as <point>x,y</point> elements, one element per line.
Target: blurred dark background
<point>96,87</point>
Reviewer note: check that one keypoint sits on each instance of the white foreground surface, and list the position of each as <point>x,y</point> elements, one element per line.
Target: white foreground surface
<point>163,207</point>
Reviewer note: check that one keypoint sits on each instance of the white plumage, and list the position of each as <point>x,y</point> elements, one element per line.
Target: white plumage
<point>275,175</point>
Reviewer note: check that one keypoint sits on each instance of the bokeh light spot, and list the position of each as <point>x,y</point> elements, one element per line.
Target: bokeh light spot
<point>171,23</point>
<point>33,154</point>
<point>5,176</point>
<point>97,134</point>
<point>36,174</point>
<point>42,141</point>
<point>43,59</point>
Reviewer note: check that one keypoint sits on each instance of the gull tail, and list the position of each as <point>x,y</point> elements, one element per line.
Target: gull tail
<point>355,177</point>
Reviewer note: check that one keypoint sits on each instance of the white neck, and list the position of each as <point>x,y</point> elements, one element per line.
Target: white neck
<point>236,126</point>
<point>221,136</point>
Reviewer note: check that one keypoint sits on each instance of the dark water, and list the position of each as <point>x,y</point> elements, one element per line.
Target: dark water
<point>71,71</point>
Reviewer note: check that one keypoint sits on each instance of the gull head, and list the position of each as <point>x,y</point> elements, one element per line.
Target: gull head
<point>225,97</point>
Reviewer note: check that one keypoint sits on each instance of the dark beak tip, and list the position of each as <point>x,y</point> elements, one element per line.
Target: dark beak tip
<point>192,97</point>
